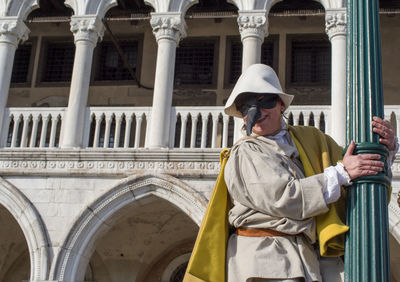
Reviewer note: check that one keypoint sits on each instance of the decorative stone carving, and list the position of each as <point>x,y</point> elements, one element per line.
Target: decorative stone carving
<point>13,31</point>
<point>168,26</point>
<point>253,24</point>
<point>88,28</point>
<point>109,167</point>
<point>335,23</point>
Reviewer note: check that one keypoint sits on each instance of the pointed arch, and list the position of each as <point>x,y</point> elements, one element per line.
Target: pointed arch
<point>69,264</point>
<point>32,226</point>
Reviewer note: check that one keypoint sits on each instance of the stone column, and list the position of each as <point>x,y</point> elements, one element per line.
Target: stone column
<point>336,30</point>
<point>12,31</point>
<point>253,28</point>
<point>86,30</point>
<point>168,29</point>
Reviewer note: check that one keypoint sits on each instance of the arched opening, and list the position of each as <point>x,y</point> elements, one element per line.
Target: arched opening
<point>142,242</point>
<point>288,6</point>
<point>14,254</point>
<point>140,225</point>
<point>51,8</point>
<point>24,253</point>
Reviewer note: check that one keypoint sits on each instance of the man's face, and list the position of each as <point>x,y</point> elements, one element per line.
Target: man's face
<point>269,122</point>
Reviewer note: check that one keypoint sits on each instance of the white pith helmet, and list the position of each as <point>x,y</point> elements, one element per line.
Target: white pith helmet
<point>257,79</point>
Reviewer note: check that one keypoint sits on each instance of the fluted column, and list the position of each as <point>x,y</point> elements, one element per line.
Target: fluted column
<point>168,29</point>
<point>12,31</point>
<point>335,27</point>
<point>86,30</point>
<point>367,242</point>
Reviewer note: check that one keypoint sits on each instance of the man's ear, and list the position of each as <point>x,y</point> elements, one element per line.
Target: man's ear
<point>282,107</point>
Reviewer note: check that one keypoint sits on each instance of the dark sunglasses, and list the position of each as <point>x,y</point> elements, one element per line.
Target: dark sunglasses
<point>261,101</point>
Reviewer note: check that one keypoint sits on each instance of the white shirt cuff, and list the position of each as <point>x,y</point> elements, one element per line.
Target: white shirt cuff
<point>336,176</point>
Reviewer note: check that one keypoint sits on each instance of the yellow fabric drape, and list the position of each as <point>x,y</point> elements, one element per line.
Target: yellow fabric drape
<point>317,151</point>
<point>207,262</point>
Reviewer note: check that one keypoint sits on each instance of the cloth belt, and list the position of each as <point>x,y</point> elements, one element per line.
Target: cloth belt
<point>262,232</point>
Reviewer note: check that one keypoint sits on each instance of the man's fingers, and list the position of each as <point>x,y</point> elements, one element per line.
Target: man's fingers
<point>368,163</point>
<point>350,149</point>
<point>370,156</point>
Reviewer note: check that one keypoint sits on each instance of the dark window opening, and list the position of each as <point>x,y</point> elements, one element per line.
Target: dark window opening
<point>195,63</point>
<point>111,65</point>
<point>21,63</point>
<point>311,62</point>
<point>59,63</point>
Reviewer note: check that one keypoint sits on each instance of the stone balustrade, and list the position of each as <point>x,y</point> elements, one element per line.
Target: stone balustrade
<point>128,127</point>
<point>32,127</point>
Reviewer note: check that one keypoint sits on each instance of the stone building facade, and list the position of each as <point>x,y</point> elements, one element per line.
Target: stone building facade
<point>112,122</point>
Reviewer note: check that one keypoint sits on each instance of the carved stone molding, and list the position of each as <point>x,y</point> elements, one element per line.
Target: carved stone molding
<point>170,26</point>
<point>335,23</point>
<point>87,28</point>
<point>13,30</point>
<point>93,162</point>
<point>253,24</point>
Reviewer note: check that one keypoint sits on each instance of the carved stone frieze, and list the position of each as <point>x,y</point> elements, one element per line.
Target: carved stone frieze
<point>87,28</point>
<point>13,31</point>
<point>168,26</point>
<point>109,166</point>
<point>335,23</point>
<point>253,24</point>
<point>183,163</point>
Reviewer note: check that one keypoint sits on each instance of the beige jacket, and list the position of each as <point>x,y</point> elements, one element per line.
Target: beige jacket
<point>268,190</point>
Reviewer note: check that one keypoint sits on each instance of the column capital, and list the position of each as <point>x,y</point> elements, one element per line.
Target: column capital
<point>335,22</point>
<point>253,24</point>
<point>87,28</point>
<point>168,26</point>
<point>13,30</point>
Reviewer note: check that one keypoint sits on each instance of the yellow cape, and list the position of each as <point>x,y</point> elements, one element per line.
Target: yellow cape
<point>317,152</point>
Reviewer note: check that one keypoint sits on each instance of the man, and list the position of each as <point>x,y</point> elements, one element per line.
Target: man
<point>284,185</point>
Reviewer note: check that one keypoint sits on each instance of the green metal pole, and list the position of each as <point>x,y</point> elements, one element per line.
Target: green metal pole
<point>367,242</point>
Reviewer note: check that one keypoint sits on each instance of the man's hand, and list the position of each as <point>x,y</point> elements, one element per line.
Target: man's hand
<point>385,130</point>
<point>361,165</point>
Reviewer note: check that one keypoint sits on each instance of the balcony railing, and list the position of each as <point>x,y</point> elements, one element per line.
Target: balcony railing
<point>128,127</point>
